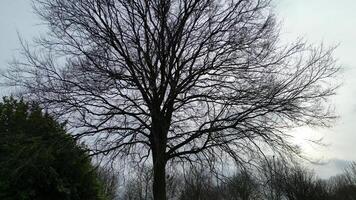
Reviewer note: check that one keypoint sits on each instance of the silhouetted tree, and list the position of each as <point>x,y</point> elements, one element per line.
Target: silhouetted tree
<point>300,184</point>
<point>241,186</point>
<point>199,184</point>
<point>39,160</point>
<point>289,181</point>
<point>181,80</point>
<point>139,184</point>
<point>139,187</point>
<point>110,182</point>
<point>343,186</point>
<point>271,178</point>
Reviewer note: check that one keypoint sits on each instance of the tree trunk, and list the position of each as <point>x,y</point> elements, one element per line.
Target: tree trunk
<point>159,177</point>
<point>160,127</point>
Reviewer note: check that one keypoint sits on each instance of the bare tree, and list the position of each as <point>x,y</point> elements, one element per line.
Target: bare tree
<point>109,179</point>
<point>343,186</point>
<point>139,185</point>
<point>290,181</point>
<point>175,81</point>
<point>241,186</point>
<point>199,184</point>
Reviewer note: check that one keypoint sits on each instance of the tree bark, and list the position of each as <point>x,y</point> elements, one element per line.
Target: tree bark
<point>159,177</point>
<point>159,143</point>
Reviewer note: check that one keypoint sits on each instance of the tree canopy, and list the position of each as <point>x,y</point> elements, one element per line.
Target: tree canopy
<point>39,160</point>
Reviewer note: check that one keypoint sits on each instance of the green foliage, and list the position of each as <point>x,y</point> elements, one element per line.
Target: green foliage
<point>38,160</point>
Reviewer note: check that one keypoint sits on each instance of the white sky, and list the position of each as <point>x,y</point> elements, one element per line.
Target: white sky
<point>331,22</point>
<point>328,21</point>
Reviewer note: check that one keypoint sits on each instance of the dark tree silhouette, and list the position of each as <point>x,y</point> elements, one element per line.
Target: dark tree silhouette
<point>242,186</point>
<point>289,180</point>
<point>343,186</point>
<point>198,183</point>
<point>110,182</point>
<point>40,161</point>
<point>181,80</point>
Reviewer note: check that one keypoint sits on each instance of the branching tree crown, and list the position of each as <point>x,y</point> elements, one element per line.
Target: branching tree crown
<point>175,80</point>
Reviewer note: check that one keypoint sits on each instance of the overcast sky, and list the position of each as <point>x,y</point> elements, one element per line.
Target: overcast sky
<point>328,21</point>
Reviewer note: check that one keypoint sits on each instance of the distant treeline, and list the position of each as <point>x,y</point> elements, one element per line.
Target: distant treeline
<point>275,180</point>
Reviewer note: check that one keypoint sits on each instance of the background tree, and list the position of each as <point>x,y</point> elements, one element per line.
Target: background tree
<point>290,181</point>
<point>301,184</point>
<point>175,81</point>
<point>343,186</point>
<point>39,160</point>
<point>241,186</point>
<point>199,183</point>
<point>139,186</point>
<point>109,179</point>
